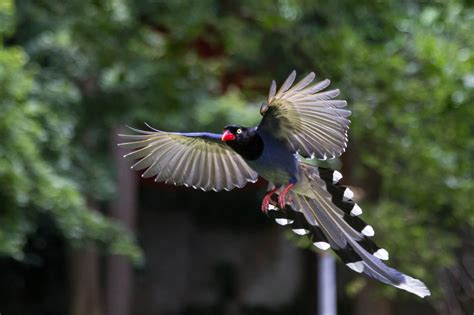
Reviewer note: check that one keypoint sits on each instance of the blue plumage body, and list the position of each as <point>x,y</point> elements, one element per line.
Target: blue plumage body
<point>277,164</point>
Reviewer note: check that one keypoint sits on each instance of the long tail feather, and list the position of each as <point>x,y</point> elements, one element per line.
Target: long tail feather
<point>330,219</point>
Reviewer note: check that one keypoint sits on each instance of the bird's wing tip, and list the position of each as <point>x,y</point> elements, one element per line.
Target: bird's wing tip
<point>151,128</point>
<point>133,129</point>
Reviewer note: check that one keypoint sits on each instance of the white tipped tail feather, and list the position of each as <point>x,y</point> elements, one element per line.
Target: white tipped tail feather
<point>329,217</point>
<point>414,286</point>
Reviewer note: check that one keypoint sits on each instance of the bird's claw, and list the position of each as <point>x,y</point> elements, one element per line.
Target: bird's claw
<point>265,205</point>
<point>281,201</point>
<point>266,201</point>
<point>282,196</point>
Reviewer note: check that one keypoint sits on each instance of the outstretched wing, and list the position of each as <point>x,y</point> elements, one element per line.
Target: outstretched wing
<point>309,120</point>
<point>195,159</point>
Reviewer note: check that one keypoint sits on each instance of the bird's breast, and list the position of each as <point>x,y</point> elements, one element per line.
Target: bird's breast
<point>277,164</point>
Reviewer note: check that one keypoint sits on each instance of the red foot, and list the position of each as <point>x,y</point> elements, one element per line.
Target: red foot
<point>282,196</point>
<point>266,200</point>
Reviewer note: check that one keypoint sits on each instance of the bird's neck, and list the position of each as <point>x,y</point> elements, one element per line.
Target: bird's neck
<point>250,148</point>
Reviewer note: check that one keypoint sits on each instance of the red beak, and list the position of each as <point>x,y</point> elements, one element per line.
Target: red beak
<point>227,136</point>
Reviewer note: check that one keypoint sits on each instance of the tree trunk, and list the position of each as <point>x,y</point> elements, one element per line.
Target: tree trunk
<point>119,283</point>
<point>86,298</point>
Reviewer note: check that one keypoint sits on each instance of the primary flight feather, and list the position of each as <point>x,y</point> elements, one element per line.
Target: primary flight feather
<point>299,120</point>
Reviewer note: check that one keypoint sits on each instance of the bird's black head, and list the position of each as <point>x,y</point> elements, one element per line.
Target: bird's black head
<point>235,133</point>
<point>245,141</point>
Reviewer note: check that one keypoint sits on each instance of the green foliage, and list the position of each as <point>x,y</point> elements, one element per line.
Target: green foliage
<point>6,17</point>
<point>412,126</point>
<point>36,157</point>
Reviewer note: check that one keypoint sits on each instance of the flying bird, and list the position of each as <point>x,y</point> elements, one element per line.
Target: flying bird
<point>299,121</point>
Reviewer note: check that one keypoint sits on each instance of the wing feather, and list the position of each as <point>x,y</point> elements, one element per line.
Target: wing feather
<point>199,160</point>
<point>218,180</point>
<point>287,84</point>
<point>316,87</point>
<point>272,91</point>
<point>186,172</point>
<point>308,120</point>
<point>176,166</point>
<point>303,83</point>
<point>204,173</point>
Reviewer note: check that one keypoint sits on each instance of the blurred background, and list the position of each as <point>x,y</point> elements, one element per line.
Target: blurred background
<point>81,234</point>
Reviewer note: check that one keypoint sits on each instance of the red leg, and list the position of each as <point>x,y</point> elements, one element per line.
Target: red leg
<point>282,196</point>
<point>266,200</point>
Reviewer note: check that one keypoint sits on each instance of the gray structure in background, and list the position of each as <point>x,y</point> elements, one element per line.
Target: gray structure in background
<point>327,293</point>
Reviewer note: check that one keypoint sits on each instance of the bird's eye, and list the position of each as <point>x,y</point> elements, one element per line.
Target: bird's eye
<point>239,131</point>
